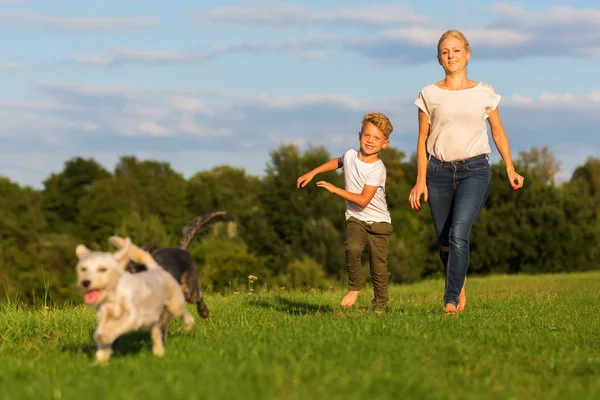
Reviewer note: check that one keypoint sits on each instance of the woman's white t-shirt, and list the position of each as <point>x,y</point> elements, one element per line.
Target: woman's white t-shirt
<point>357,174</point>
<point>457,120</point>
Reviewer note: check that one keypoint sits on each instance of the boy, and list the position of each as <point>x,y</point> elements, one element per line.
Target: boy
<point>367,217</point>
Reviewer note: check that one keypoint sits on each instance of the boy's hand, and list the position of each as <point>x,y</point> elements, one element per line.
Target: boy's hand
<point>304,179</point>
<point>324,184</point>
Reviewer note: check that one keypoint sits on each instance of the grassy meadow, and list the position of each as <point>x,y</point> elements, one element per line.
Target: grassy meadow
<point>520,337</point>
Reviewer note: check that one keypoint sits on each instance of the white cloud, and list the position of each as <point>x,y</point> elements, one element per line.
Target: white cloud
<point>12,66</point>
<point>28,160</point>
<point>573,31</point>
<point>555,16</point>
<point>246,144</point>
<point>192,128</point>
<point>398,35</point>
<point>189,104</point>
<point>489,37</point>
<point>52,87</point>
<point>37,105</point>
<point>130,56</point>
<point>549,100</point>
<point>311,55</point>
<point>78,23</point>
<point>284,14</point>
<point>90,126</point>
<point>296,141</point>
<point>309,48</point>
<point>153,129</point>
<point>289,102</point>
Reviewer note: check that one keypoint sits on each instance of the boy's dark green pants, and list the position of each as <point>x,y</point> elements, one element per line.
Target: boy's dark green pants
<point>377,236</point>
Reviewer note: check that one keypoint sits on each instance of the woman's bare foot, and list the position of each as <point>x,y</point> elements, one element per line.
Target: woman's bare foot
<point>462,298</point>
<point>350,298</point>
<point>450,309</point>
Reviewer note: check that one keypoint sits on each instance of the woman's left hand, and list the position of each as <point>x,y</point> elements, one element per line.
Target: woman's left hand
<point>515,179</point>
<point>326,185</point>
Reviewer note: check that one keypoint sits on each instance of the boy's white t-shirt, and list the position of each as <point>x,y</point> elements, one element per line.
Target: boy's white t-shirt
<point>457,120</point>
<point>357,174</point>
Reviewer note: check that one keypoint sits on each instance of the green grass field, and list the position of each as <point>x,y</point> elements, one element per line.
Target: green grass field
<point>521,337</point>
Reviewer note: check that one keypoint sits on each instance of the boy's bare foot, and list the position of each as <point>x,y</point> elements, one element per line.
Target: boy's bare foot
<point>350,298</point>
<point>462,298</point>
<point>450,309</point>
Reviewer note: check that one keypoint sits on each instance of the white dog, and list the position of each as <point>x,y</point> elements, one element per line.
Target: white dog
<point>128,302</point>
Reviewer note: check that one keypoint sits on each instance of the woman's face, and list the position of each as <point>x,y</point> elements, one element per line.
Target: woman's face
<point>453,56</point>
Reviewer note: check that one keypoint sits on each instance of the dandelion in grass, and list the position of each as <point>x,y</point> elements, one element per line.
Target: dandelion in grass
<point>251,280</point>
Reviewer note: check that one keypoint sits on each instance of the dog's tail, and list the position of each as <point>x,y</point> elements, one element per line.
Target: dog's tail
<point>192,229</point>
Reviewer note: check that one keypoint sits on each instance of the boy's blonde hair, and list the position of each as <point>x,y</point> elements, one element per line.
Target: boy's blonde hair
<point>380,121</point>
<point>456,35</point>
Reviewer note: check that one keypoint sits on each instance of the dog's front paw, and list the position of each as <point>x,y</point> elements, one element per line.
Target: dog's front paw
<point>188,321</point>
<point>103,355</point>
<point>158,350</point>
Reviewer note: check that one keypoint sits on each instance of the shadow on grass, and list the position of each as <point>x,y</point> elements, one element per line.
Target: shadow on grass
<point>292,307</point>
<point>130,343</point>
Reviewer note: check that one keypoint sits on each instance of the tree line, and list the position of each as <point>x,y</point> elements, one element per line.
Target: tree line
<point>284,236</point>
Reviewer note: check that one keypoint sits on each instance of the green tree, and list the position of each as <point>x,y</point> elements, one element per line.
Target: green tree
<point>222,188</point>
<point>227,263</point>
<point>104,208</point>
<point>398,183</point>
<point>25,271</point>
<point>582,210</point>
<point>305,273</point>
<point>146,230</point>
<point>62,191</point>
<point>585,184</point>
<point>541,162</point>
<point>535,229</point>
<point>160,191</point>
<point>281,225</point>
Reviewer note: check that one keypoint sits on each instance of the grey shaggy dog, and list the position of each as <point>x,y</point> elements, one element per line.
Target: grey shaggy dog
<point>178,261</point>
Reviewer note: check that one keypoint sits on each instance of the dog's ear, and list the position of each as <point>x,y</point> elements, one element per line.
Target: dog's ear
<point>117,241</point>
<point>122,255</point>
<point>137,255</point>
<point>141,256</point>
<point>81,251</point>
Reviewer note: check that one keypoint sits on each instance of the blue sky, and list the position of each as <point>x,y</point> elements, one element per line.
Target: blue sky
<point>202,84</point>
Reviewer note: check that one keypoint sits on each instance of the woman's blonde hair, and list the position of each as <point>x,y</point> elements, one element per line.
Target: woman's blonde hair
<point>456,35</point>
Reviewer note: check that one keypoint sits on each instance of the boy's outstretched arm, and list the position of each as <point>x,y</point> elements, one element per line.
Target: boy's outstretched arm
<point>361,199</point>
<point>330,165</point>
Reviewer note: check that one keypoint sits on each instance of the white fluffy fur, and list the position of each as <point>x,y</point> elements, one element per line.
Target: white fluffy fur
<point>128,302</point>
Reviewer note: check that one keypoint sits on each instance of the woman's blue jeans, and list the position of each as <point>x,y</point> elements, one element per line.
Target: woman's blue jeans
<point>457,192</point>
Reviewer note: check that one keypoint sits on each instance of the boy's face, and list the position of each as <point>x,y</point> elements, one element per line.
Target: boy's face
<point>372,140</point>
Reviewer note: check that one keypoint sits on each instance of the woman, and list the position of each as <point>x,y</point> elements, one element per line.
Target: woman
<point>454,175</point>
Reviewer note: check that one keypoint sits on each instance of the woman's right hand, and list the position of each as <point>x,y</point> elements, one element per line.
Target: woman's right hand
<point>415,195</point>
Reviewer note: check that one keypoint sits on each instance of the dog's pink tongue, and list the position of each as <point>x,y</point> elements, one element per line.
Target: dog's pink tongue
<point>92,296</point>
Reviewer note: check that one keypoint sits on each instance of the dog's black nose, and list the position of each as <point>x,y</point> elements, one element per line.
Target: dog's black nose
<point>85,283</point>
